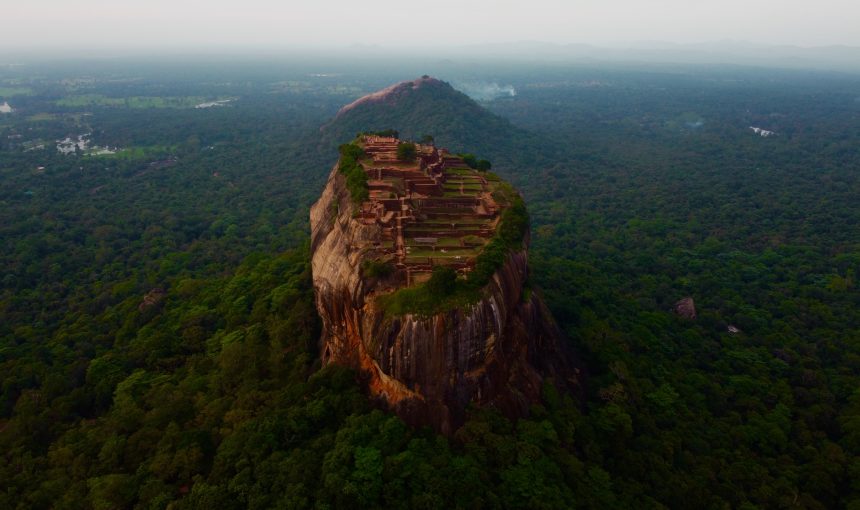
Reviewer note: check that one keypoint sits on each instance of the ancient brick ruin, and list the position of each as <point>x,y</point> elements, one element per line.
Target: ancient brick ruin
<point>432,211</point>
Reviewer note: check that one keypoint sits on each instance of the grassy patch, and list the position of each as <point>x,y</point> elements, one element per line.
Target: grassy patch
<point>85,100</point>
<point>473,188</point>
<point>425,299</point>
<point>42,117</point>
<point>443,291</point>
<point>459,171</point>
<point>163,102</point>
<point>6,92</point>
<point>473,240</point>
<point>137,153</point>
<point>445,242</point>
<point>134,102</point>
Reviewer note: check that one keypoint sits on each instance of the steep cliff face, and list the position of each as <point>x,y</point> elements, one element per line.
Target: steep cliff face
<point>495,352</point>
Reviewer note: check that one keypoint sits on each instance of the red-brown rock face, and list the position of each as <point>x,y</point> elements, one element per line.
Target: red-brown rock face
<point>390,94</point>
<point>496,352</point>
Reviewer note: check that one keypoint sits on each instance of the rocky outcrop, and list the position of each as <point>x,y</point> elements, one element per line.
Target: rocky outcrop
<point>686,308</point>
<point>390,94</point>
<point>153,298</point>
<point>496,352</point>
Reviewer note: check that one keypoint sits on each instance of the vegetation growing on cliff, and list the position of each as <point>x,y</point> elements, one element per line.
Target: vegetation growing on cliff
<point>376,268</point>
<point>406,151</point>
<point>442,293</point>
<point>350,166</point>
<point>393,133</point>
<point>508,238</point>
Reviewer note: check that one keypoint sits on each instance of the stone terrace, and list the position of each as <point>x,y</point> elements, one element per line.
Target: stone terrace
<point>431,211</point>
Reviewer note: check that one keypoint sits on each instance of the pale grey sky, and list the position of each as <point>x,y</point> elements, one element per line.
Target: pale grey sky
<point>116,24</point>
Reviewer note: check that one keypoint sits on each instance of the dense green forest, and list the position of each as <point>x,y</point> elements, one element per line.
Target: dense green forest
<point>158,335</point>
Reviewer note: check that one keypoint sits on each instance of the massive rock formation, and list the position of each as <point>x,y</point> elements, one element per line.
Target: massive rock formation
<point>428,106</point>
<point>391,94</point>
<point>428,369</point>
<point>685,308</point>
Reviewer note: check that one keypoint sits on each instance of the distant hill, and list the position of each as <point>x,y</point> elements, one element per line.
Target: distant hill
<point>428,106</point>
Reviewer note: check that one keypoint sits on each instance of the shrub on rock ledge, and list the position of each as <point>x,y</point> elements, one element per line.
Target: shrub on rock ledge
<point>406,151</point>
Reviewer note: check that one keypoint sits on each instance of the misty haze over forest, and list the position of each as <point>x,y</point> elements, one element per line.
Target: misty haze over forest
<point>782,33</point>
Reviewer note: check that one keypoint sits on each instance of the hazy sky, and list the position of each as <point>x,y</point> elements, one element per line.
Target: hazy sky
<point>396,24</point>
